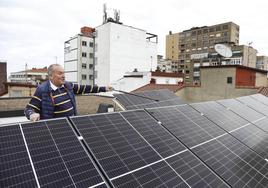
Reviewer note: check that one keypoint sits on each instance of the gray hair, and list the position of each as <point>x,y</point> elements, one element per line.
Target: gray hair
<point>50,69</point>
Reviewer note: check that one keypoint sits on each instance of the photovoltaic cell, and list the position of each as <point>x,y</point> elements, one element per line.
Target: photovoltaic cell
<point>241,109</point>
<point>254,138</point>
<point>200,120</point>
<point>194,171</point>
<point>262,124</point>
<point>168,102</point>
<point>255,104</point>
<point>58,157</point>
<point>15,166</point>
<point>180,125</point>
<point>156,175</point>
<point>115,144</point>
<point>226,119</point>
<point>253,159</point>
<point>165,98</point>
<point>160,139</point>
<point>260,98</point>
<point>230,163</point>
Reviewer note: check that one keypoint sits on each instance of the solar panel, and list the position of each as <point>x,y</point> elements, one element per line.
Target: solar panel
<point>194,171</point>
<point>254,138</point>
<point>119,136</point>
<point>230,163</point>
<point>58,157</point>
<point>195,116</point>
<point>241,109</point>
<point>115,144</point>
<point>156,175</point>
<point>254,104</point>
<point>262,124</point>
<point>160,139</point>
<point>186,130</point>
<point>226,119</point>
<point>15,166</point>
<point>260,98</point>
<point>136,101</point>
<point>175,146</point>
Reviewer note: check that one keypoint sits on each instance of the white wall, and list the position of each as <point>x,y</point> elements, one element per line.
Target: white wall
<point>121,49</point>
<point>131,83</point>
<point>167,80</point>
<point>73,59</point>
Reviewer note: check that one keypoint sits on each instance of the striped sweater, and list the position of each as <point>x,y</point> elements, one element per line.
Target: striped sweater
<point>51,103</point>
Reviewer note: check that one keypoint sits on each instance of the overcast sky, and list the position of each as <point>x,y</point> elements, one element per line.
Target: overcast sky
<point>34,31</point>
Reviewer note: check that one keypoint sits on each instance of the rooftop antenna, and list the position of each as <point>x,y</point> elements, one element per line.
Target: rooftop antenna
<point>104,13</point>
<point>116,15</point>
<point>223,51</point>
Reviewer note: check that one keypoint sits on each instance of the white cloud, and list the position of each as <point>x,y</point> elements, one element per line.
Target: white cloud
<point>35,31</point>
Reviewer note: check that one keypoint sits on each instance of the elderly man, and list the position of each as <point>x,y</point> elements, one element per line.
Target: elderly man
<point>56,97</point>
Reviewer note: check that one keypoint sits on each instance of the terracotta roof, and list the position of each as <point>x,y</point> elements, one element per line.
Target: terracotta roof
<point>37,70</point>
<point>172,87</point>
<point>264,91</point>
<point>167,74</point>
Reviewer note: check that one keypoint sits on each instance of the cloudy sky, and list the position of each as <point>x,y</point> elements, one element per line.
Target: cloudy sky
<point>34,31</point>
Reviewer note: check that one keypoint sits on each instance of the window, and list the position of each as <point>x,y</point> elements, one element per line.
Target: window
<point>229,80</point>
<point>218,28</point>
<point>84,43</point>
<point>91,44</point>
<point>84,65</point>
<point>218,35</point>
<point>212,29</point>
<point>90,55</point>
<point>90,66</point>
<point>84,76</point>
<point>84,54</point>
<point>91,77</point>
<point>225,26</point>
<point>205,31</point>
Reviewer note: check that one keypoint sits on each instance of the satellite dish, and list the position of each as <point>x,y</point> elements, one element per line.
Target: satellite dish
<point>223,50</point>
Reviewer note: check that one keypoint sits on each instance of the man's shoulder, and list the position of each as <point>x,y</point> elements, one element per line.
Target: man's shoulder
<point>44,86</point>
<point>68,85</point>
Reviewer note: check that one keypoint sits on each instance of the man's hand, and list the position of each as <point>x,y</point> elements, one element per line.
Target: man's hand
<point>35,117</point>
<point>109,88</point>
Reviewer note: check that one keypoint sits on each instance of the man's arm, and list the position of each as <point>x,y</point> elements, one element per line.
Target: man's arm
<point>32,109</point>
<point>81,89</point>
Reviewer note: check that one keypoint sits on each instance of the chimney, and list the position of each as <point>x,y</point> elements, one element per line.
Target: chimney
<point>87,31</point>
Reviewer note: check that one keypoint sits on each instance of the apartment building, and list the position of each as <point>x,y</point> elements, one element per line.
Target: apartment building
<point>32,76</point>
<point>166,65</point>
<point>121,48</point>
<point>190,48</point>
<point>79,57</point>
<point>262,62</point>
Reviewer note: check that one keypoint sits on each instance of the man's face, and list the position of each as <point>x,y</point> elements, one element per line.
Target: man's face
<point>57,77</point>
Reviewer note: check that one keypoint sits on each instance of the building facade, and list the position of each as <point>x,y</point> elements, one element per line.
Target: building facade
<point>32,76</point>
<point>120,49</point>
<point>262,62</point>
<point>166,65</point>
<point>79,57</point>
<point>189,46</point>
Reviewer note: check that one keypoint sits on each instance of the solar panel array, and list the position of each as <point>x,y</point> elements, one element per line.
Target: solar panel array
<point>212,144</point>
<point>148,99</point>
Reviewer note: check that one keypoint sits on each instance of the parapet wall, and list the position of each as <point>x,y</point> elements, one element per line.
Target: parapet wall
<point>86,104</point>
